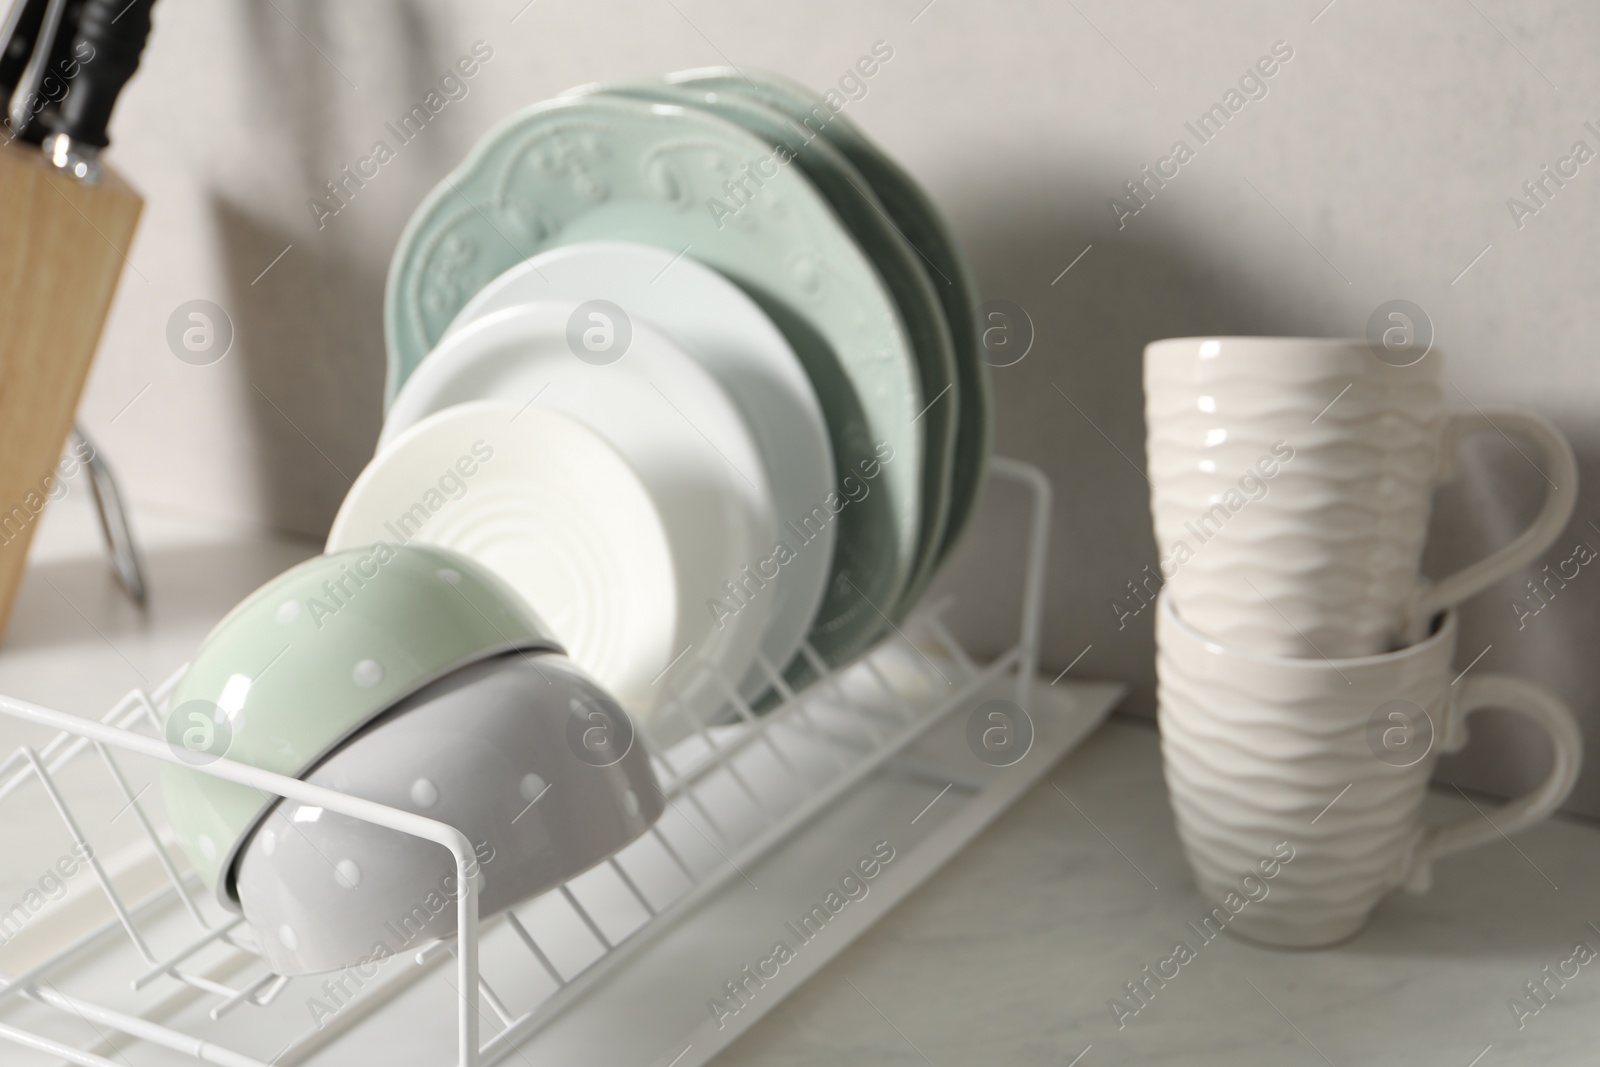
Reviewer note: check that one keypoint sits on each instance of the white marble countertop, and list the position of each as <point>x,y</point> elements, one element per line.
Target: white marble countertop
<point>1010,954</point>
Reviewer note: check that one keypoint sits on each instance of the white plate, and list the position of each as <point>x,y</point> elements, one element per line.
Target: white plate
<point>729,335</point>
<point>553,509</point>
<point>675,425</point>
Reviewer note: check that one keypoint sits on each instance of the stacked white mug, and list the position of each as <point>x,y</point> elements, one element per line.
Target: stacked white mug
<point>1302,659</point>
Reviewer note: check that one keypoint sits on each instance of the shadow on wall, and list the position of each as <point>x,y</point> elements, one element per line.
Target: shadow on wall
<point>309,330</point>
<point>312,352</point>
<point>1075,407</point>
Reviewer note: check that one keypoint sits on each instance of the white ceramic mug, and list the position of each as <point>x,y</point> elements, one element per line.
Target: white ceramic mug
<point>1297,783</point>
<point>1291,483</point>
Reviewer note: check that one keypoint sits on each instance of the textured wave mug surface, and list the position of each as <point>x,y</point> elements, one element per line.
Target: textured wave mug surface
<point>1291,484</point>
<point>1326,762</point>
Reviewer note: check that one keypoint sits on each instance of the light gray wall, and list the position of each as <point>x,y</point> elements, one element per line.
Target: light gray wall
<point>1378,166</point>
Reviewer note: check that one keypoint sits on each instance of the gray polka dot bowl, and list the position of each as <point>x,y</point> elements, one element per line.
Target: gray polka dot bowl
<point>307,660</point>
<point>523,754</point>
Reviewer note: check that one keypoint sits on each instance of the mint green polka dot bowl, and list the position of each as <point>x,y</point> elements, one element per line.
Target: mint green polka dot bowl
<point>307,660</point>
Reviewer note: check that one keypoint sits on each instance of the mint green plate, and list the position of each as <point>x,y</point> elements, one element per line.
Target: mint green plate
<point>916,218</point>
<point>859,209</point>
<point>599,168</point>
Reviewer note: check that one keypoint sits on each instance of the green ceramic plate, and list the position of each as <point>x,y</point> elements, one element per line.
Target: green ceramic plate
<point>590,168</point>
<point>919,221</point>
<point>852,198</point>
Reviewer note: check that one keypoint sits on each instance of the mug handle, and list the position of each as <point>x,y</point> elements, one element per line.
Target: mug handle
<point>1560,470</point>
<point>1547,711</point>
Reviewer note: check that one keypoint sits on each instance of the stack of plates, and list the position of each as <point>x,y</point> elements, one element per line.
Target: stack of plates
<point>695,368</point>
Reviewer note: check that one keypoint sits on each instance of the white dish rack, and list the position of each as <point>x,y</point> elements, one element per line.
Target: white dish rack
<point>645,959</point>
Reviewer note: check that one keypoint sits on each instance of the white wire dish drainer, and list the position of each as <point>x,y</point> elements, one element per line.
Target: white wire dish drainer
<point>137,965</point>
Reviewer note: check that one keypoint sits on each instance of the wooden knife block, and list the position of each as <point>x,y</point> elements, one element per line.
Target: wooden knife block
<point>62,248</point>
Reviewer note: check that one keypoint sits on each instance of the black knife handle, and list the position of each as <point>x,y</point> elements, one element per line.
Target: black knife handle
<point>21,31</point>
<point>110,36</point>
